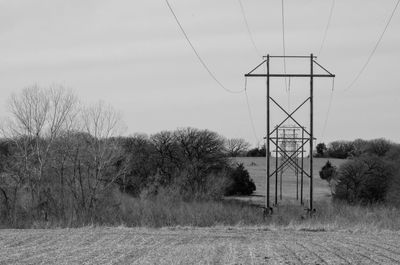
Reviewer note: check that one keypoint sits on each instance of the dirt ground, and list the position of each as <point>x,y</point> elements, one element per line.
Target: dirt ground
<point>197,246</point>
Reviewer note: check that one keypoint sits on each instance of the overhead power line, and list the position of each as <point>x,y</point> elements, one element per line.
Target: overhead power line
<point>248,29</point>
<point>283,40</point>
<point>329,110</point>
<point>250,113</point>
<point>212,75</point>
<point>375,48</point>
<point>333,80</point>
<point>327,28</point>
<point>284,51</point>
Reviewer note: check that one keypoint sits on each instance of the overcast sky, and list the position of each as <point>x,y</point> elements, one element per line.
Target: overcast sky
<point>132,55</point>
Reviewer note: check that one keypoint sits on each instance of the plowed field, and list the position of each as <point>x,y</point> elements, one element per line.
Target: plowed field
<point>196,246</point>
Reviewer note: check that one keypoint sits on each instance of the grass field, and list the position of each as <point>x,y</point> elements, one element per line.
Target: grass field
<point>256,168</point>
<point>219,245</point>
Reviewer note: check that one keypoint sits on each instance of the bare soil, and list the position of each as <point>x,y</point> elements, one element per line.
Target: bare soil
<point>197,246</point>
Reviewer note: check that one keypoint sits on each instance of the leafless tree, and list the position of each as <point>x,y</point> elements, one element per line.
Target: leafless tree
<point>38,117</point>
<point>236,146</point>
<point>95,163</point>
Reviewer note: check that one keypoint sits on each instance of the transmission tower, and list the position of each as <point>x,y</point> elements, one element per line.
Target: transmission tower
<point>289,141</point>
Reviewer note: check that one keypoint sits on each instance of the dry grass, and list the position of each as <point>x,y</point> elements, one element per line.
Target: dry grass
<point>163,211</point>
<point>338,216</point>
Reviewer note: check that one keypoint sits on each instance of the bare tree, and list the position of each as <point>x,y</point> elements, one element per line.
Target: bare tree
<point>63,156</point>
<point>236,146</point>
<point>96,164</point>
<point>38,117</point>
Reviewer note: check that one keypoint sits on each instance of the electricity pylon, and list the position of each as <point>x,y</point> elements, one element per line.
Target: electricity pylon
<point>288,157</point>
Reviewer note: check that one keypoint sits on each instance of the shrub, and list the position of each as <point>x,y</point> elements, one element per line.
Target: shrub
<point>363,180</point>
<point>321,150</point>
<point>185,188</point>
<point>328,172</point>
<point>241,184</point>
<point>257,152</point>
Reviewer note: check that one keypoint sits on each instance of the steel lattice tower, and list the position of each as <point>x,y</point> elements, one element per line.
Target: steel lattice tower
<point>289,147</point>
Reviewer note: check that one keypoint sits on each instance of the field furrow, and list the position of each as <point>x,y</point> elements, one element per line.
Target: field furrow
<point>196,246</point>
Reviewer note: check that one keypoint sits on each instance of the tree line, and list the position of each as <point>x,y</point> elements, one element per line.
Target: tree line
<point>348,149</point>
<point>61,160</point>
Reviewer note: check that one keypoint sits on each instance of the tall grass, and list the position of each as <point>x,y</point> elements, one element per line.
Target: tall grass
<point>164,211</point>
<point>168,210</point>
<point>338,216</point>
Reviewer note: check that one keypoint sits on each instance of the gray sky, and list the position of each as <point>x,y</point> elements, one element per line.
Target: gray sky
<point>132,55</point>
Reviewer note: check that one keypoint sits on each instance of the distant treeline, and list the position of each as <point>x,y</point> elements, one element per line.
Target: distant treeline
<point>256,152</point>
<point>348,149</point>
<point>335,149</point>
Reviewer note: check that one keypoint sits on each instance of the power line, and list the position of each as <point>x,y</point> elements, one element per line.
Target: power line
<point>327,27</point>
<point>374,49</point>
<point>250,112</point>
<point>329,109</point>
<point>284,51</point>
<point>212,75</point>
<point>248,28</point>
<point>333,80</point>
<point>283,40</point>
<point>364,66</point>
<point>198,55</point>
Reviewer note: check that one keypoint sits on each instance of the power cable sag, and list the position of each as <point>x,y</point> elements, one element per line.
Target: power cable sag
<point>248,29</point>
<point>250,112</point>
<point>374,49</point>
<point>327,28</point>
<point>212,75</point>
